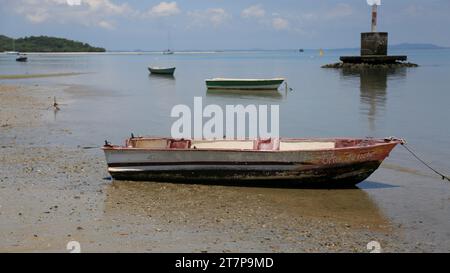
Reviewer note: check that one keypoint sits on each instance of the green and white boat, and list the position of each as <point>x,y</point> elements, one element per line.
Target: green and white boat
<point>161,70</point>
<point>244,84</point>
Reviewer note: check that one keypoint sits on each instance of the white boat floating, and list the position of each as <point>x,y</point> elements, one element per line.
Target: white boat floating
<point>244,84</point>
<point>161,70</point>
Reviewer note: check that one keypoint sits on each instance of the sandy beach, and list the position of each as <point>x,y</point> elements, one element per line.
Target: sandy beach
<point>52,194</point>
<point>346,97</point>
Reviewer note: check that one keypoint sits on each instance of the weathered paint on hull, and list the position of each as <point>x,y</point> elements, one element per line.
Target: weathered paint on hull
<point>333,175</point>
<point>175,158</point>
<point>351,162</point>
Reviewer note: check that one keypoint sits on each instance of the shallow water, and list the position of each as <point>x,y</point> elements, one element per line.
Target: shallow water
<point>411,103</point>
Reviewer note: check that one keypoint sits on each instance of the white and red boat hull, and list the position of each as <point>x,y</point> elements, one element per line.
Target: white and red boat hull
<point>349,161</point>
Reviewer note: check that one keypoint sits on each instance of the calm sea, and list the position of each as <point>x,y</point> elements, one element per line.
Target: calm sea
<point>410,103</point>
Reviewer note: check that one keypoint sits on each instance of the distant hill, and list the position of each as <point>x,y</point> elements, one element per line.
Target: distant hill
<point>415,46</point>
<point>45,44</point>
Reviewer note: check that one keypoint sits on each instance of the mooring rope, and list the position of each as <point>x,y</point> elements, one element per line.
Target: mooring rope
<point>444,177</point>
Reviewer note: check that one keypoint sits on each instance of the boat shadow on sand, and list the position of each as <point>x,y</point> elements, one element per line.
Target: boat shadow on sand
<point>167,200</point>
<point>272,184</point>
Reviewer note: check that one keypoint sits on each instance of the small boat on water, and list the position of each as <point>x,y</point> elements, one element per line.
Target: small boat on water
<point>22,58</point>
<point>161,70</point>
<point>244,84</point>
<point>168,52</point>
<point>338,162</point>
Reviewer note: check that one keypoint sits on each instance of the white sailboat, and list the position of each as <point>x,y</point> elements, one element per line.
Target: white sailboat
<point>168,51</point>
<point>14,52</point>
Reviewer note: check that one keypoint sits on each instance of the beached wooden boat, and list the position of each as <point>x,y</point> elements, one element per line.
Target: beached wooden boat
<point>335,162</point>
<point>161,70</point>
<point>244,84</point>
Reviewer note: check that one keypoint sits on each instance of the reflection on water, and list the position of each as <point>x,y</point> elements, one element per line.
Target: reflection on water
<point>160,81</point>
<point>230,93</point>
<point>199,202</point>
<point>161,76</point>
<point>373,87</point>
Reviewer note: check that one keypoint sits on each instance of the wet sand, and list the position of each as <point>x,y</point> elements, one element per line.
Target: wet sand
<point>51,194</point>
<point>31,76</point>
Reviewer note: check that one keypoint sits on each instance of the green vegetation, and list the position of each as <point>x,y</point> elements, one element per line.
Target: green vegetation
<point>45,44</point>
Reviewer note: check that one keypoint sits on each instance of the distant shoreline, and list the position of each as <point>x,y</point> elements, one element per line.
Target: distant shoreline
<point>181,52</point>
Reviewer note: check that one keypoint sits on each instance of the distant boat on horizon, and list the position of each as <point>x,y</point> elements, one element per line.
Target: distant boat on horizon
<point>321,52</point>
<point>168,51</point>
<point>13,52</point>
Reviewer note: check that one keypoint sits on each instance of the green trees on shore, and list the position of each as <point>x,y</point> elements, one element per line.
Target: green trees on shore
<point>45,44</point>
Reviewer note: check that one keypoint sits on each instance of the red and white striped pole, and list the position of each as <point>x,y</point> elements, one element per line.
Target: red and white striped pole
<point>374,17</point>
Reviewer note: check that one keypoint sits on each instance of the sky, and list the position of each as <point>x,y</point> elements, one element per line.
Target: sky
<point>225,24</point>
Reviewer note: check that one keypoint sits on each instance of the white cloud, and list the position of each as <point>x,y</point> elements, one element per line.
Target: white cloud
<point>164,9</point>
<point>214,16</point>
<point>279,23</point>
<point>218,16</point>
<point>99,13</point>
<point>74,2</point>
<point>105,7</point>
<point>106,25</point>
<point>39,15</point>
<point>339,11</point>
<point>255,11</point>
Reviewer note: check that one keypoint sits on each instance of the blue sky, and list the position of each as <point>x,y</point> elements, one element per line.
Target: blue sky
<point>225,24</point>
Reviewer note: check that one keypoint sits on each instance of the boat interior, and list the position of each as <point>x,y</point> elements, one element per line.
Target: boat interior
<point>270,144</point>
